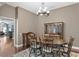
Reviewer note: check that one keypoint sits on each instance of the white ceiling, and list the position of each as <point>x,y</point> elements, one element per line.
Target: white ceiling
<point>33,6</point>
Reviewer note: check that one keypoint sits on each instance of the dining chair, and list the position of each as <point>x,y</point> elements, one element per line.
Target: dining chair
<point>25,40</point>
<point>57,46</point>
<point>56,50</point>
<point>35,48</point>
<point>67,47</point>
<point>24,37</point>
<point>47,47</point>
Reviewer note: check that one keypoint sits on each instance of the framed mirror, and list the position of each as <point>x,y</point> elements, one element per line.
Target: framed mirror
<point>54,28</point>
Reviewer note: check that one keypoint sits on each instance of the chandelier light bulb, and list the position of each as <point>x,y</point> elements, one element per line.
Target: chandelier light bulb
<point>40,8</point>
<point>45,9</point>
<point>48,12</point>
<point>37,13</point>
<point>41,14</point>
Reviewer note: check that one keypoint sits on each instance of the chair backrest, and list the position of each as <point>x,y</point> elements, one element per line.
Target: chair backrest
<point>26,39</point>
<point>48,44</point>
<point>70,44</point>
<point>32,39</point>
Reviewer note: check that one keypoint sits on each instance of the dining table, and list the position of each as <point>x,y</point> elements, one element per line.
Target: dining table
<point>54,38</point>
<point>55,41</point>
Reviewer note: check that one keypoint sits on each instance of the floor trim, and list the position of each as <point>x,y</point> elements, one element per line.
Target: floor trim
<point>17,46</point>
<point>75,47</point>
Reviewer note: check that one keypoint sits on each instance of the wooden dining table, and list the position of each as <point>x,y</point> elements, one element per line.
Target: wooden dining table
<point>55,39</point>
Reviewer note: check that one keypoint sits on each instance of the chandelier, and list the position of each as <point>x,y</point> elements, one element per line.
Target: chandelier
<point>43,11</point>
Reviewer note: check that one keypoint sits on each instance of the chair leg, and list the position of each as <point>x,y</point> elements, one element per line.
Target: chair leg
<point>41,51</point>
<point>68,55</point>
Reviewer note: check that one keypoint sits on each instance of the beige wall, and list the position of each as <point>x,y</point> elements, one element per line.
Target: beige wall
<point>69,15</point>
<point>7,11</point>
<point>26,23</point>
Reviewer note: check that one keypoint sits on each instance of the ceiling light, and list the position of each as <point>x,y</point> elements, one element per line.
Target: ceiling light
<point>43,11</point>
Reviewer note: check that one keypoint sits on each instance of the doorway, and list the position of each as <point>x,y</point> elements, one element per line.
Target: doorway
<point>7,36</point>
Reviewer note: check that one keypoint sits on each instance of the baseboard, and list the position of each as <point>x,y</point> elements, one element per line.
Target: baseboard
<point>18,45</point>
<point>75,47</point>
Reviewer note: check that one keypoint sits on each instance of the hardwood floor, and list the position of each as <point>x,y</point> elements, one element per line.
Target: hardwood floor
<point>6,47</point>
